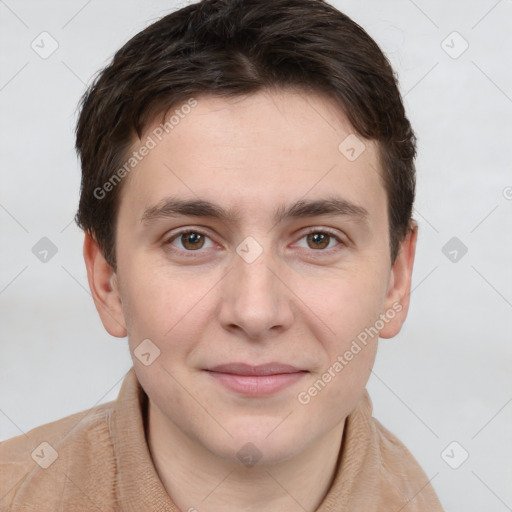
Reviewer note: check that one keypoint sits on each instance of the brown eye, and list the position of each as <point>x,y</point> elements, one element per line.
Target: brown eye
<point>192,240</point>
<point>189,243</point>
<point>318,240</point>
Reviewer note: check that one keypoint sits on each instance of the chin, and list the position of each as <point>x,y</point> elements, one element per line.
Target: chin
<point>262,442</point>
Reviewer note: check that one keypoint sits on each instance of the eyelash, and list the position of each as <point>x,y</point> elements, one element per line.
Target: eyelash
<point>189,253</point>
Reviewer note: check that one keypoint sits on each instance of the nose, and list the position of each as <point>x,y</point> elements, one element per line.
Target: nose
<point>256,299</point>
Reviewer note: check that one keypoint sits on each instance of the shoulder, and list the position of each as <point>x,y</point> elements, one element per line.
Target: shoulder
<point>405,479</point>
<point>42,457</point>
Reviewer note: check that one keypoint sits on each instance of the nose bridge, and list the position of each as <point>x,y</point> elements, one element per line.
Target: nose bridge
<point>254,280</point>
<point>255,300</point>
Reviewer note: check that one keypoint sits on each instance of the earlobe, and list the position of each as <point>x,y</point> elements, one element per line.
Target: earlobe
<point>104,287</point>
<point>399,289</point>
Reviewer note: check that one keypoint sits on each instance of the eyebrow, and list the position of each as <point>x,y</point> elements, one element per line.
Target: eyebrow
<point>173,207</point>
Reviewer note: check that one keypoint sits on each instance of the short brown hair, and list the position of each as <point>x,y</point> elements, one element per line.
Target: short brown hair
<point>237,47</point>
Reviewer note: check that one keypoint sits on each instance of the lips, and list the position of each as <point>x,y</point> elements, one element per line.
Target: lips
<point>256,381</point>
<point>263,369</point>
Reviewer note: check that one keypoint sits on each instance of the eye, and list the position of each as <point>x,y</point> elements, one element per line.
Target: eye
<point>190,240</point>
<point>321,239</point>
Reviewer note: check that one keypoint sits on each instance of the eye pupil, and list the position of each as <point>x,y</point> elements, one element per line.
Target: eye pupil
<point>191,238</point>
<point>319,238</point>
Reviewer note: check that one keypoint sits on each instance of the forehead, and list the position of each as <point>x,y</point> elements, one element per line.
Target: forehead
<point>273,146</point>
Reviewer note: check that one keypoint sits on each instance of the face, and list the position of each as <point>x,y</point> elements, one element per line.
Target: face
<point>253,252</point>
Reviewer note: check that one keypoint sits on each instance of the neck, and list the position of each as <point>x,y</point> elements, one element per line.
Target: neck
<point>199,481</point>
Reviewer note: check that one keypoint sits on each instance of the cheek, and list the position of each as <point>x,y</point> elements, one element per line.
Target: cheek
<point>350,346</point>
<point>347,301</point>
<point>163,306</point>
<point>350,311</point>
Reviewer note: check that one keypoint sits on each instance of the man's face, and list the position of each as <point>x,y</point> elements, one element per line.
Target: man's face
<point>254,289</point>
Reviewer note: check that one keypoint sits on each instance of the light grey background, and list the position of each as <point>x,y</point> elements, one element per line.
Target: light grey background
<point>446,377</point>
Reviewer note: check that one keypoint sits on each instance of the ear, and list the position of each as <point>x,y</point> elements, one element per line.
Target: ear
<point>104,288</point>
<point>399,288</point>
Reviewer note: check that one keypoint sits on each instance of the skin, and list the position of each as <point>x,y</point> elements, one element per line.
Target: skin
<point>299,303</point>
